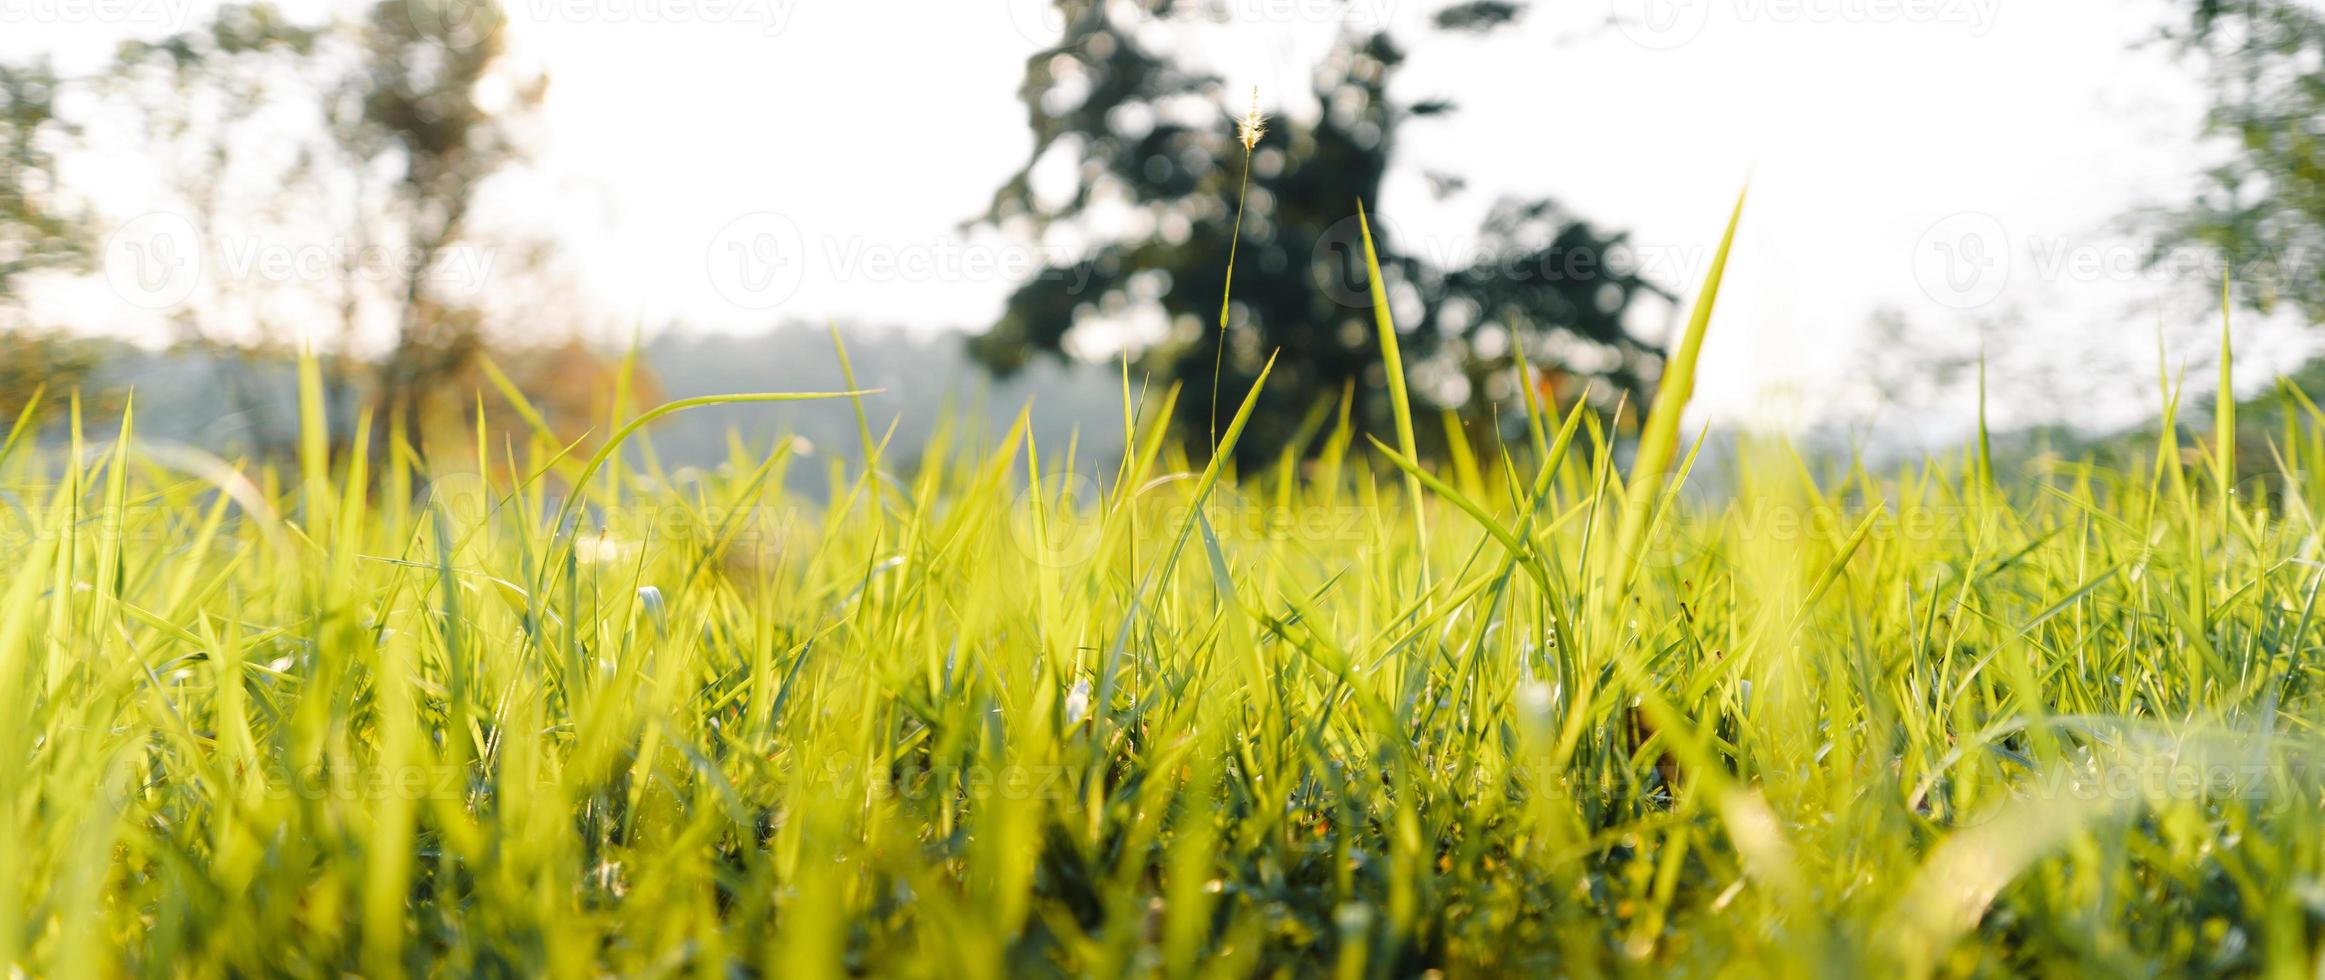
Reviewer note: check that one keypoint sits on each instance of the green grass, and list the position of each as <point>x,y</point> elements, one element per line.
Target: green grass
<point>1530,711</point>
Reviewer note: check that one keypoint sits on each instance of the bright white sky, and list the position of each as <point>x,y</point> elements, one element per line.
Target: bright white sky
<point>875,127</point>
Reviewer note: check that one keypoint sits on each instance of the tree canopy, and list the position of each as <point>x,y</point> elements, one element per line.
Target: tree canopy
<point>361,140</point>
<point>1153,149</point>
<point>36,232</point>
<point>2262,207</point>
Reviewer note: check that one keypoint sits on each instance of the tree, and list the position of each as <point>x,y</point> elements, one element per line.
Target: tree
<point>1148,135</point>
<point>209,105</point>
<point>35,233</point>
<point>419,108</point>
<point>2262,208</point>
<point>370,139</point>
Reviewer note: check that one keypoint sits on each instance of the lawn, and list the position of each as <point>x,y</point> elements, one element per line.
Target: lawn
<point>989,709</point>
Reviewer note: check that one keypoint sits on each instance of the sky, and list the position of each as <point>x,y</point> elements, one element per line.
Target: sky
<point>1968,165</point>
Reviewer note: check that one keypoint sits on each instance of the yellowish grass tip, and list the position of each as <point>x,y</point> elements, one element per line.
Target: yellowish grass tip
<point>1253,125</point>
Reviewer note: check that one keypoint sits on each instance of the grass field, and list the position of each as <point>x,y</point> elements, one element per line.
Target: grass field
<point>1529,710</point>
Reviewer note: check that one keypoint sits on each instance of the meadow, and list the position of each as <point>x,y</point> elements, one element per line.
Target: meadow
<point>542,708</point>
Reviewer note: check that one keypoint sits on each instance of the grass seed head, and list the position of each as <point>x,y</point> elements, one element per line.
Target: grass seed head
<point>1252,126</point>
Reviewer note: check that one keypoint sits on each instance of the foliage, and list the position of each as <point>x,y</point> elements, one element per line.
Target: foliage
<point>35,234</point>
<point>418,87</point>
<point>2263,207</point>
<point>1143,134</point>
<point>35,231</point>
<point>373,137</point>
<point>35,362</point>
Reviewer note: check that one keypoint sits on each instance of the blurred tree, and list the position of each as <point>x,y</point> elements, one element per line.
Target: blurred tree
<point>1152,156</point>
<point>35,231</point>
<point>369,141</point>
<point>46,364</point>
<point>426,64</point>
<point>209,105</point>
<point>2263,208</point>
